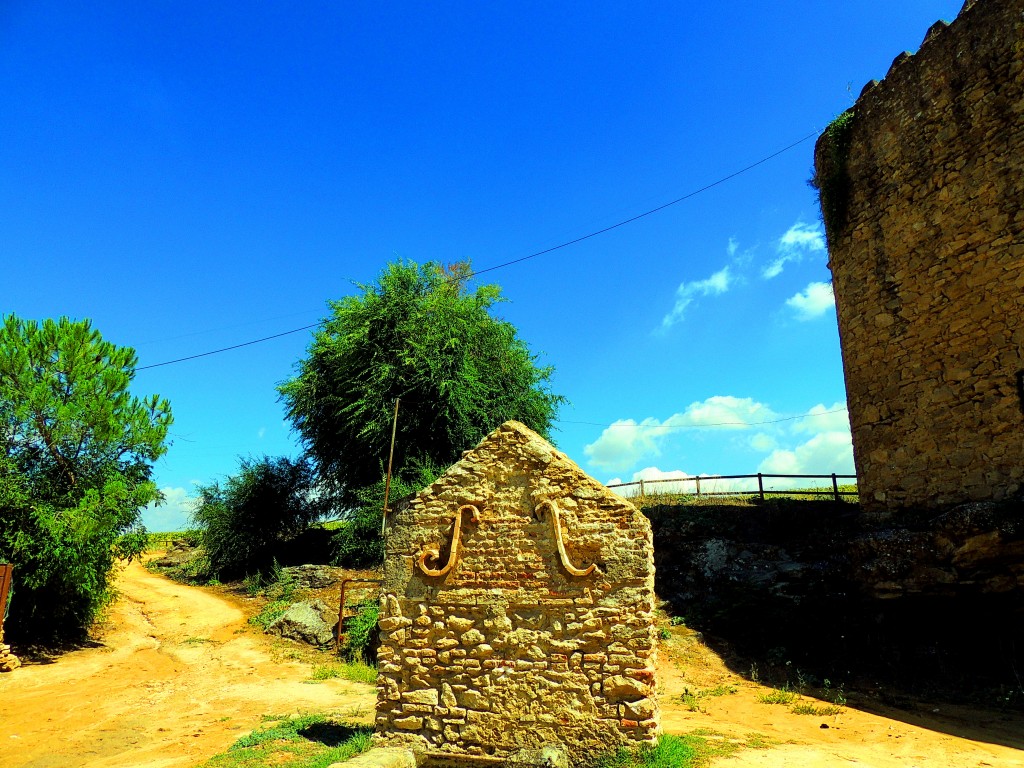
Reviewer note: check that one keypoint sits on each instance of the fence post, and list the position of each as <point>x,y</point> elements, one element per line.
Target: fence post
<point>835,487</point>
<point>760,486</point>
<point>698,486</point>
<point>641,488</point>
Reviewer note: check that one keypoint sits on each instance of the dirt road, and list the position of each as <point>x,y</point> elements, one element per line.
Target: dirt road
<point>178,676</point>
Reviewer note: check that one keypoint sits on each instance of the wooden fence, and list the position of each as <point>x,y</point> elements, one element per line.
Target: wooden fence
<point>761,490</point>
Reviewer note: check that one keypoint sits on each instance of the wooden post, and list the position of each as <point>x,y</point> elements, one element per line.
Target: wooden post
<point>641,488</point>
<point>6,576</point>
<point>698,486</point>
<point>760,486</point>
<point>387,480</point>
<point>835,487</point>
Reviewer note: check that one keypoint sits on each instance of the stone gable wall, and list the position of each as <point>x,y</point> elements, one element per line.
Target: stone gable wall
<point>510,650</point>
<point>927,259</point>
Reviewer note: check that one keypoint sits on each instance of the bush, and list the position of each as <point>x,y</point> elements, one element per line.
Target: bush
<point>358,541</point>
<point>256,512</point>
<point>361,633</point>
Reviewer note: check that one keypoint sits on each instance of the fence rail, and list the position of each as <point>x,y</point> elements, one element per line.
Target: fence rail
<point>761,490</point>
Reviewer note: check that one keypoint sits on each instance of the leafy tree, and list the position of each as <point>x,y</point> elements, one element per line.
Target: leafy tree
<point>245,521</point>
<point>76,452</point>
<point>420,334</point>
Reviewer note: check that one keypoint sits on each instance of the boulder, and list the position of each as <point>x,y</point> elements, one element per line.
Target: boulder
<point>304,622</point>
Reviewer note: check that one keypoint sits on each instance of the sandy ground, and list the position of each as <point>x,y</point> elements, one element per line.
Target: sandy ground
<point>864,734</point>
<point>178,675</point>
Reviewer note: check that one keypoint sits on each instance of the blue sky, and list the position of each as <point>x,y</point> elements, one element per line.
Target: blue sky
<point>192,177</point>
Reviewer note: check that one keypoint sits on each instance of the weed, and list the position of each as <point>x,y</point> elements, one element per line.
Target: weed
<point>821,710</point>
<point>196,640</point>
<point>271,612</point>
<point>677,621</point>
<point>692,699</point>
<point>694,750</point>
<point>664,634</point>
<point>836,695</point>
<point>353,670</point>
<point>777,696</point>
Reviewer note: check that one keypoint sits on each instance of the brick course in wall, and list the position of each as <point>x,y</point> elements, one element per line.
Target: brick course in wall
<point>927,260</point>
<point>521,644</point>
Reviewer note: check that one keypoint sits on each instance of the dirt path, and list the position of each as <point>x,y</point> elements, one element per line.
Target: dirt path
<point>864,734</point>
<point>178,677</point>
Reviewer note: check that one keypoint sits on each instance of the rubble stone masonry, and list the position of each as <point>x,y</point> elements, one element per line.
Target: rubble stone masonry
<point>923,200</point>
<point>536,630</point>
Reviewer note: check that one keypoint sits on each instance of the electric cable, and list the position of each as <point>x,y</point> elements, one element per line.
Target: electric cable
<point>521,259</point>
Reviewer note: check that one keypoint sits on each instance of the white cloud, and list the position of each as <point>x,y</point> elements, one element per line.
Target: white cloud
<point>723,411</point>
<point>813,301</point>
<point>798,241</point>
<point>823,454</point>
<point>173,514</point>
<point>626,442</point>
<point>261,432</point>
<point>715,285</point>
<point>762,442</point>
<point>828,449</point>
<point>822,418</point>
<point>732,247</point>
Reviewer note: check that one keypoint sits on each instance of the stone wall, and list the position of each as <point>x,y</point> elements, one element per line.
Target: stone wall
<point>541,633</point>
<point>921,196</point>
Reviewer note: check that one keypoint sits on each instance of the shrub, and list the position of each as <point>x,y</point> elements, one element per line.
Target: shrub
<point>244,522</point>
<point>361,632</point>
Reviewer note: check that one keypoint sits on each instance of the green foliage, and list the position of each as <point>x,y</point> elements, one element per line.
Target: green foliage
<point>76,452</point>
<point>307,741</point>
<point>358,542</point>
<point>361,632</point>
<point>244,521</point>
<point>693,750</point>
<point>271,612</point>
<point>419,334</point>
<point>832,179</point>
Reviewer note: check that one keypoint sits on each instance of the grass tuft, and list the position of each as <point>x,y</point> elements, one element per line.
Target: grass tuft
<point>306,741</point>
<point>357,671</point>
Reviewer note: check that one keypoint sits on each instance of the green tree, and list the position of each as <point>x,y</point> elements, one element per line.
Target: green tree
<point>76,452</point>
<point>421,335</point>
<point>245,521</point>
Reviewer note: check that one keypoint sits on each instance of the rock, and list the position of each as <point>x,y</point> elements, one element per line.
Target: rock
<point>303,622</point>
<point>311,576</point>
<point>545,757</point>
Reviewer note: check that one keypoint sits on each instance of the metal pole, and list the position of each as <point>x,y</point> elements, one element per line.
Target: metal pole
<point>760,486</point>
<point>835,487</point>
<point>387,480</point>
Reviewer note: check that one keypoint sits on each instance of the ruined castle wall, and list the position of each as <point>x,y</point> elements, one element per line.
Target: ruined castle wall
<point>510,649</point>
<point>925,225</point>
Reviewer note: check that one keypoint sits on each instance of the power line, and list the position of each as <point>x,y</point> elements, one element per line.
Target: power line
<point>227,349</point>
<point>703,426</point>
<point>521,259</point>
